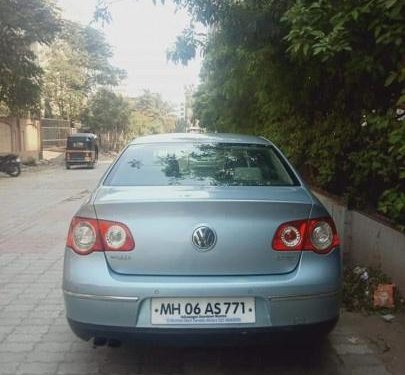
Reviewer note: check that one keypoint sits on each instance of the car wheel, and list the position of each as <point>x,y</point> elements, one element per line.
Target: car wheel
<point>67,166</point>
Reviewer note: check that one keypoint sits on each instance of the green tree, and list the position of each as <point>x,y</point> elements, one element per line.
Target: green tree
<point>320,78</point>
<point>152,115</point>
<point>23,25</point>
<point>108,115</point>
<point>76,64</point>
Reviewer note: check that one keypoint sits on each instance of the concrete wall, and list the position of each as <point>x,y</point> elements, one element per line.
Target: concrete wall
<point>30,138</point>
<point>5,137</point>
<point>368,242</point>
<point>20,136</point>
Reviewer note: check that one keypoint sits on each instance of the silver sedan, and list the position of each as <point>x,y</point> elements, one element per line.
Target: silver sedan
<point>201,237</point>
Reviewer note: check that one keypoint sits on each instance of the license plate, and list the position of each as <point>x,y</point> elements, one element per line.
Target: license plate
<point>207,310</point>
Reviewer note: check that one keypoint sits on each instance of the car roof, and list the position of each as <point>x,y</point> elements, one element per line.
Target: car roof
<point>206,138</point>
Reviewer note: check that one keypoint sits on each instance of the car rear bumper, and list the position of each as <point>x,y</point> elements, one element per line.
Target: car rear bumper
<point>208,336</point>
<point>96,297</point>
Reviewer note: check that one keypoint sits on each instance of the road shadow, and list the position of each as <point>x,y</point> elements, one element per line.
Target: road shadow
<point>266,359</point>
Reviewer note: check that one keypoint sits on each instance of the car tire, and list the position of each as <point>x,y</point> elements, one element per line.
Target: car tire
<point>67,166</point>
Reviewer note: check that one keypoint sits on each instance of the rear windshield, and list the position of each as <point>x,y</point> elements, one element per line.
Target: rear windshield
<point>218,164</point>
<point>79,143</point>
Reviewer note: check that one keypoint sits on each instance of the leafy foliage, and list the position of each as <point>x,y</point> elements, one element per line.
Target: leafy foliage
<point>23,25</point>
<point>108,111</point>
<point>117,119</point>
<point>102,12</point>
<point>185,47</point>
<point>359,285</point>
<point>108,115</point>
<point>320,78</point>
<point>76,64</point>
<point>151,114</point>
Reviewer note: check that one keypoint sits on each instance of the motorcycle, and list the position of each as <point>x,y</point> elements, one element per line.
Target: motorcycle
<point>10,164</point>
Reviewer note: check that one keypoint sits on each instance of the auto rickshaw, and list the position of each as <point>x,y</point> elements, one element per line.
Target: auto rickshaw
<point>81,149</point>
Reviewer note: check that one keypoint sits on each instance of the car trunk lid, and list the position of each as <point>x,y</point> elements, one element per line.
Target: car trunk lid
<point>162,221</point>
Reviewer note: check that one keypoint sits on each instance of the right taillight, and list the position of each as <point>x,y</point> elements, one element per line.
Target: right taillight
<point>115,236</point>
<point>88,235</point>
<point>317,235</point>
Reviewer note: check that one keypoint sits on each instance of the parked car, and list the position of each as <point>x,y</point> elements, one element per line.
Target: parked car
<point>81,149</point>
<point>201,236</point>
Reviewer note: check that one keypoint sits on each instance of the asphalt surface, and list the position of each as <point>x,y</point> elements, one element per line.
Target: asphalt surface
<point>35,210</point>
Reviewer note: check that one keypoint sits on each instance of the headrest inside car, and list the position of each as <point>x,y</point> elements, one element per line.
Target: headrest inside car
<point>247,174</point>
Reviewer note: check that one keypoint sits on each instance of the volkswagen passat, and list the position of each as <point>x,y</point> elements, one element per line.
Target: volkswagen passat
<point>199,235</point>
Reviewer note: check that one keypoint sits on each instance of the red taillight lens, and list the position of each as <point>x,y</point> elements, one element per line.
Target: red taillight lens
<point>290,236</point>
<point>88,235</point>
<point>115,236</point>
<point>317,235</point>
<point>83,236</point>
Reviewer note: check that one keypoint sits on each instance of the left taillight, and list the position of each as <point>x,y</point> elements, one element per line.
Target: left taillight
<point>88,235</point>
<point>318,235</point>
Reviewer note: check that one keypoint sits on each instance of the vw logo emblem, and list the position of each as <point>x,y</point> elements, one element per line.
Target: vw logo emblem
<point>204,238</point>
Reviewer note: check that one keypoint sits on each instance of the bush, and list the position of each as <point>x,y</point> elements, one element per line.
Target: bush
<point>359,284</point>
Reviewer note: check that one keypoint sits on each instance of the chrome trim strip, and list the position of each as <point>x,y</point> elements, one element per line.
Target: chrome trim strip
<point>134,299</point>
<point>98,297</point>
<point>305,296</point>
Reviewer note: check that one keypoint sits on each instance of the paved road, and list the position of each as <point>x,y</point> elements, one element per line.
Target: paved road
<point>35,210</point>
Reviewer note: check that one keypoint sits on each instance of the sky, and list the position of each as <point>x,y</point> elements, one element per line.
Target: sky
<point>140,34</point>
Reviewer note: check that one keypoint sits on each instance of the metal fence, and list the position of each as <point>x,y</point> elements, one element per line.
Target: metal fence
<point>54,132</point>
